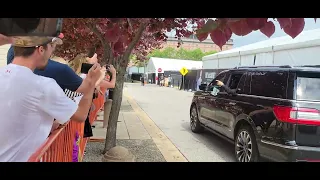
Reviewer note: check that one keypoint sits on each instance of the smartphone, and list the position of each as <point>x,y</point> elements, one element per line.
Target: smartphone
<point>85,67</point>
<point>49,27</point>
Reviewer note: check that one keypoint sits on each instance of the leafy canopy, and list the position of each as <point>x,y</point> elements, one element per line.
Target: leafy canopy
<point>120,37</point>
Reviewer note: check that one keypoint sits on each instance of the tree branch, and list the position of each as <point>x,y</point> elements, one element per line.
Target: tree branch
<point>130,25</point>
<point>107,53</point>
<point>134,41</point>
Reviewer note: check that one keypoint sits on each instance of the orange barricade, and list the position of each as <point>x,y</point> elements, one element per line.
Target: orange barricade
<point>59,145</point>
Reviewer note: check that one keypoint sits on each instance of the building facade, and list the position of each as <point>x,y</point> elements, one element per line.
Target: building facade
<point>192,43</point>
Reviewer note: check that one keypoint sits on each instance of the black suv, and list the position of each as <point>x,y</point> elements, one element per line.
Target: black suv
<point>274,112</point>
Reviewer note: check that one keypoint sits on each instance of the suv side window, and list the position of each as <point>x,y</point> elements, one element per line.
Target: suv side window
<point>235,80</point>
<point>220,77</point>
<point>269,83</point>
<point>244,85</point>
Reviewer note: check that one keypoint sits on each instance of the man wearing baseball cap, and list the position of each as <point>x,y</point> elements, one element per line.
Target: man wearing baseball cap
<point>30,103</point>
<point>62,73</point>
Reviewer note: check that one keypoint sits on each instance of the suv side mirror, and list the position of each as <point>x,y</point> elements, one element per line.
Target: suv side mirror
<point>203,87</point>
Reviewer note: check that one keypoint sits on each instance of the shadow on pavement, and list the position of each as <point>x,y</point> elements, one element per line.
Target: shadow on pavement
<point>220,146</point>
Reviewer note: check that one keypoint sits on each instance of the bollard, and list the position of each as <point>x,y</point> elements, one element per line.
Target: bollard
<point>118,154</point>
<point>107,109</point>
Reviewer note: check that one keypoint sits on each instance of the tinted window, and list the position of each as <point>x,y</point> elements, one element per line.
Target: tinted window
<point>242,87</point>
<point>220,77</point>
<point>308,88</point>
<point>234,81</point>
<point>269,84</point>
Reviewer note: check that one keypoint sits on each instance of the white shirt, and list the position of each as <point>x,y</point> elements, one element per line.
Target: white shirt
<point>28,105</point>
<point>78,98</point>
<point>83,76</point>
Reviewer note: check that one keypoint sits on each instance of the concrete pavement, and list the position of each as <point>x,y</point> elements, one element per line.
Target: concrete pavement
<point>129,125</point>
<point>135,124</point>
<point>169,110</point>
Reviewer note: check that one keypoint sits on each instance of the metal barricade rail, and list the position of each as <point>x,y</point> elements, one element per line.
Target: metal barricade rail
<point>59,145</point>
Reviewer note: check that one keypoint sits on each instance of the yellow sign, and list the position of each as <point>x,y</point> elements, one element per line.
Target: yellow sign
<point>184,71</point>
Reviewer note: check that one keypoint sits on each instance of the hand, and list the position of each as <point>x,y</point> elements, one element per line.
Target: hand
<point>94,73</point>
<point>102,76</point>
<point>104,69</point>
<point>219,83</point>
<point>5,40</point>
<point>93,59</point>
<point>112,69</point>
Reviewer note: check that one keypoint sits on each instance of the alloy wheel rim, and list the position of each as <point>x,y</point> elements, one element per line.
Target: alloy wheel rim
<point>193,119</point>
<point>244,147</point>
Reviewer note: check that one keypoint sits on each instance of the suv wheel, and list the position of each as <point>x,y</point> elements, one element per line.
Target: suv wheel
<point>194,121</point>
<point>246,149</point>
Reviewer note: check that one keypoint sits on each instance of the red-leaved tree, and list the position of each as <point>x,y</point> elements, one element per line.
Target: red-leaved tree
<point>116,39</point>
<point>220,30</point>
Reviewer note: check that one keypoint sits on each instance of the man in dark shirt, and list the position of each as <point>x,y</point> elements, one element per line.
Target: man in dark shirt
<point>62,73</point>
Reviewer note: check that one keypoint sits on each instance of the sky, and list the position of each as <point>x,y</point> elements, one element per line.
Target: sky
<point>257,36</point>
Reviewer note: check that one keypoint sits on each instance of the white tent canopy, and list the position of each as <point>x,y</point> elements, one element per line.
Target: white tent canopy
<point>171,64</point>
<point>304,49</point>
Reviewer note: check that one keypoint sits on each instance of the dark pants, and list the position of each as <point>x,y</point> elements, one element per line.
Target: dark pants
<point>87,128</point>
<point>87,132</point>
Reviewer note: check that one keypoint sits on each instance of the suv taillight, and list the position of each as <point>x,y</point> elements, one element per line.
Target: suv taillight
<point>297,115</point>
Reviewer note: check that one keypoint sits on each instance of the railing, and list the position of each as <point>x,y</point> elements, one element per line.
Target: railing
<point>59,145</point>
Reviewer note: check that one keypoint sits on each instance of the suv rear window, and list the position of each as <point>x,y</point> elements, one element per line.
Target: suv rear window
<point>269,83</point>
<point>308,87</point>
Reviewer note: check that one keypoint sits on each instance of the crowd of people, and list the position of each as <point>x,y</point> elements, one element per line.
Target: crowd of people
<point>38,94</point>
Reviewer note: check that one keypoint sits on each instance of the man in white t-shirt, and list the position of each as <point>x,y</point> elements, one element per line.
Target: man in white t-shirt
<point>29,103</point>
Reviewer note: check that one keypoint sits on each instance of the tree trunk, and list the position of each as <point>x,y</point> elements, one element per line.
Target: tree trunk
<point>121,63</point>
<point>111,135</point>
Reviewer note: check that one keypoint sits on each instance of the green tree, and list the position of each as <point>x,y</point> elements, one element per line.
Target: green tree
<point>136,61</point>
<point>180,53</point>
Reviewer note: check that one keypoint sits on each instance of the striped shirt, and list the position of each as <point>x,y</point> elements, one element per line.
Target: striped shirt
<point>71,94</point>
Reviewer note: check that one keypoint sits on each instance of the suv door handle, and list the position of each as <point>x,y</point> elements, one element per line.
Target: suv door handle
<point>232,103</point>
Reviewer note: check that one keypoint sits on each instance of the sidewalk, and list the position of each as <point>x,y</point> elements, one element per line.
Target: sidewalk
<point>136,132</point>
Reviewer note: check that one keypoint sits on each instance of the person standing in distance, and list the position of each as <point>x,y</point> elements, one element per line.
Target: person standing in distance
<point>30,103</point>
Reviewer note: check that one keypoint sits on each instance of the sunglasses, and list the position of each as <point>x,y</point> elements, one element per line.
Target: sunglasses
<point>53,41</point>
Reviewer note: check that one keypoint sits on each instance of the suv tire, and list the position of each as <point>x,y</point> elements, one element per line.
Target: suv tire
<point>245,145</point>
<point>194,121</point>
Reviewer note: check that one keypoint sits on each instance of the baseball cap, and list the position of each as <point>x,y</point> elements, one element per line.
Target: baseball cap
<point>36,41</point>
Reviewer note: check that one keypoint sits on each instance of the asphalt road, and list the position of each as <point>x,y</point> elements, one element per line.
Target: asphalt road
<point>169,109</point>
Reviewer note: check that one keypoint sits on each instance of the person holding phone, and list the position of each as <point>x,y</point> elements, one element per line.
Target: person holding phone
<point>30,103</point>
<point>104,83</point>
<point>77,66</point>
<point>66,78</point>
